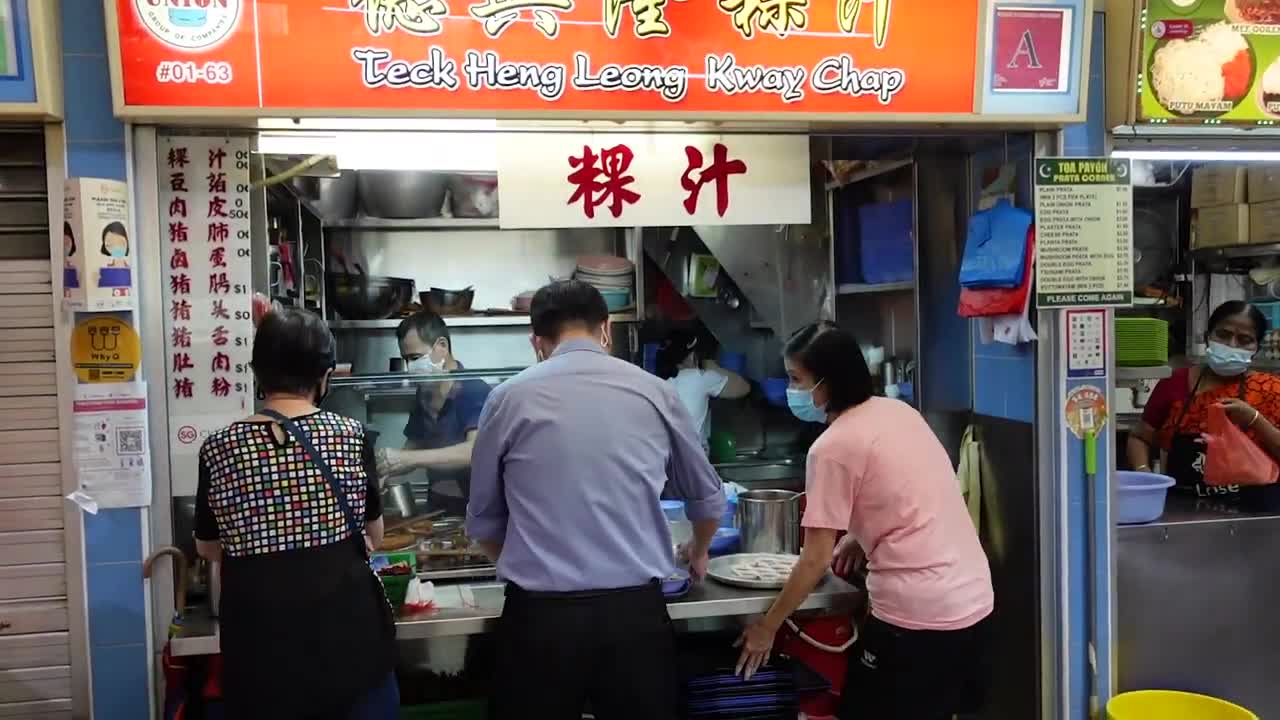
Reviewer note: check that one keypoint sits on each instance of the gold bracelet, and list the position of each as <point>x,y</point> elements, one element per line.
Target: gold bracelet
<point>1256,414</point>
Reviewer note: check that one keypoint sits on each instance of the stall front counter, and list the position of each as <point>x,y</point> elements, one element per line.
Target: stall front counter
<point>1195,604</point>
<point>481,606</point>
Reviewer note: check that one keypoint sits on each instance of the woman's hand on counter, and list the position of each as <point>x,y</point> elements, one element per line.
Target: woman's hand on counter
<point>756,642</point>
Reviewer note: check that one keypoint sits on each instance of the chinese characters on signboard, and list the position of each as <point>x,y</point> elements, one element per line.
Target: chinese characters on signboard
<point>204,233</point>
<point>835,56</point>
<point>573,180</point>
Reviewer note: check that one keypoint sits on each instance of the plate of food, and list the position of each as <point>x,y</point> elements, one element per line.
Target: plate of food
<point>1205,74</point>
<point>752,570</point>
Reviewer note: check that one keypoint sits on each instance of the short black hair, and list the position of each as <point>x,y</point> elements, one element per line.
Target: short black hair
<point>563,303</point>
<point>67,232</point>
<point>1236,307</point>
<point>292,351</point>
<point>832,355</point>
<point>114,228</point>
<point>429,326</point>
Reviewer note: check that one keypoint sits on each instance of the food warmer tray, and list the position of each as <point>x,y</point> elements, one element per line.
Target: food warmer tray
<point>721,570</point>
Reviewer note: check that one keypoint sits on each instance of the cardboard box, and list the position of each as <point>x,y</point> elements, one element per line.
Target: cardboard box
<point>1218,184</point>
<point>97,262</point>
<point>1264,223</point>
<point>1221,226</point>
<point>1264,182</point>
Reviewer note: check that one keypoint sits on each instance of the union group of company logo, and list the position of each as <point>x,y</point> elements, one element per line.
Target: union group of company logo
<point>189,24</point>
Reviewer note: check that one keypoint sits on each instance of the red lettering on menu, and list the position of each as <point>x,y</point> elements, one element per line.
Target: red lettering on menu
<point>219,310</point>
<point>182,362</point>
<point>221,361</point>
<point>718,172</point>
<point>219,336</point>
<point>180,310</point>
<point>218,257</point>
<point>602,178</point>
<point>181,337</point>
<point>219,284</point>
<point>180,284</point>
<point>182,387</point>
<point>220,387</point>
<point>216,156</point>
<point>219,232</point>
<point>217,207</point>
<point>178,182</point>
<point>177,232</point>
<point>179,259</point>
<point>178,158</point>
<point>217,182</point>
<point>178,207</point>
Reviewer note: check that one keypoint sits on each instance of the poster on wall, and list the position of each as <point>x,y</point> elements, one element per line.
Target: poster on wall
<point>491,57</point>
<point>1210,62</point>
<point>1031,49</point>
<point>204,241</point>
<point>98,257</point>
<point>564,180</point>
<point>110,445</point>
<point>1084,233</point>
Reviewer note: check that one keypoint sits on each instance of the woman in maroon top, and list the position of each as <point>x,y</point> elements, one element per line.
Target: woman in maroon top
<point>1176,413</point>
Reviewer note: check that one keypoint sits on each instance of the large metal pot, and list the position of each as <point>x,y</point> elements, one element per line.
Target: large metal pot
<point>357,296</point>
<point>447,302</point>
<point>332,198</point>
<point>769,521</point>
<point>402,194</point>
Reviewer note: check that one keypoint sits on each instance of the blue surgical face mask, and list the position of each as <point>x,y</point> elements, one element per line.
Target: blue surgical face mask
<point>801,403</point>
<point>425,365</point>
<point>118,251</point>
<point>1227,361</point>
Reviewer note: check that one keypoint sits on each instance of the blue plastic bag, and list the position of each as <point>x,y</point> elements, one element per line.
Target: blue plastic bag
<point>995,251</point>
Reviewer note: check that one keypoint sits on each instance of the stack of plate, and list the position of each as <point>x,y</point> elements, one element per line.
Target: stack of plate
<point>614,277</point>
<point>1142,342</point>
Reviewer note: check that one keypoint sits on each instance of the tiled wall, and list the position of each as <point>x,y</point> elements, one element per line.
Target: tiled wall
<point>112,538</point>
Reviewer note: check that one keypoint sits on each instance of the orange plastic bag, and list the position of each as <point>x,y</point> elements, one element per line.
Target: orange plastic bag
<point>1231,457</point>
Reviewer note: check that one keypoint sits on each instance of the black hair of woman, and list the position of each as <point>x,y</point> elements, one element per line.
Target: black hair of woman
<point>1231,308</point>
<point>832,355</point>
<point>677,346</point>
<point>293,352</point>
<point>67,234</point>
<point>114,228</point>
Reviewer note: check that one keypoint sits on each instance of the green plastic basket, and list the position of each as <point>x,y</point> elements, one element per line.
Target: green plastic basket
<point>395,586</point>
<point>1141,342</point>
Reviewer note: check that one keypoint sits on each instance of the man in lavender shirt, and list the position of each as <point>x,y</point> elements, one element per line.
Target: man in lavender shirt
<point>570,461</point>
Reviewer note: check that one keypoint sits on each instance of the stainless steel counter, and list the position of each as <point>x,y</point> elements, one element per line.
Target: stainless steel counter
<point>707,600</point>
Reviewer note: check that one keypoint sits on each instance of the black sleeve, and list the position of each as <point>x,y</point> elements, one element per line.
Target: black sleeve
<point>373,494</point>
<point>206,523</point>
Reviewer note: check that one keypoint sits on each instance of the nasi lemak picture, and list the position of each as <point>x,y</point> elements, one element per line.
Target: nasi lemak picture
<point>97,272</point>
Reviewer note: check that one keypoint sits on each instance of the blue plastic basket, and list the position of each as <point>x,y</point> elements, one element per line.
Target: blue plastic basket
<point>887,250</point>
<point>1140,496</point>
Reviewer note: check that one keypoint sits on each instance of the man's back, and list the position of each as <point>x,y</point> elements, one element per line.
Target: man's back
<point>573,455</point>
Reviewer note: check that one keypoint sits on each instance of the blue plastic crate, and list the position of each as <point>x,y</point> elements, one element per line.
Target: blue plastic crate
<point>886,234</point>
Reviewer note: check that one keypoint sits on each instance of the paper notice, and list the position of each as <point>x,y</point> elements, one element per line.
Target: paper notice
<point>111,451</point>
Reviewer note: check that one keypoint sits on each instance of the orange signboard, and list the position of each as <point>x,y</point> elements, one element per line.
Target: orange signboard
<point>529,57</point>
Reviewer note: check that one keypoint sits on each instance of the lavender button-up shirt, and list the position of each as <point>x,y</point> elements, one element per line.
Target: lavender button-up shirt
<point>570,461</point>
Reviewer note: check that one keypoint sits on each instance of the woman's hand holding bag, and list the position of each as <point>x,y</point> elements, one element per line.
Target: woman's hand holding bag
<point>1231,457</point>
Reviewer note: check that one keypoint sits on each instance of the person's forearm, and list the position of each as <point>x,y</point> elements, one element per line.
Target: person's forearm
<point>1268,436</point>
<point>374,530</point>
<point>454,457</point>
<point>704,531</point>
<point>210,550</point>
<point>808,572</point>
<point>1138,453</point>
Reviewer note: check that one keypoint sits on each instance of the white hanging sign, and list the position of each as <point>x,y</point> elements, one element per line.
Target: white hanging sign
<point>563,180</point>
<point>208,319</point>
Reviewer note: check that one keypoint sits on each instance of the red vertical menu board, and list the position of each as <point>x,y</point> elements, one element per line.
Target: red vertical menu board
<point>204,233</point>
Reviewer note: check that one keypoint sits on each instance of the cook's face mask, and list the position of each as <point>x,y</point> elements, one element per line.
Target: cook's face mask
<point>426,364</point>
<point>800,401</point>
<point>1227,361</point>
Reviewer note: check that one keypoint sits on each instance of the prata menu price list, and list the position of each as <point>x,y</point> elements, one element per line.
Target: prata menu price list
<point>1084,233</point>
<point>204,231</point>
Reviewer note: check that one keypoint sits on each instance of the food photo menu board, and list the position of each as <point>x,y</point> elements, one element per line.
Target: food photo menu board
<point>1211,62</point>
<point>208,318</point>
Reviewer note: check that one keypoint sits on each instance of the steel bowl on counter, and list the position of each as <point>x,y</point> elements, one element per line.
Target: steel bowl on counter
<point>357,296</point>
<point>447,302</point>
<point>398,502</point>
<point>402,194</point>
<point>331,198</point>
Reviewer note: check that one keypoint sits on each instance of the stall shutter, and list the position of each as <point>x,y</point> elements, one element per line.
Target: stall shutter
<point>35,652</point>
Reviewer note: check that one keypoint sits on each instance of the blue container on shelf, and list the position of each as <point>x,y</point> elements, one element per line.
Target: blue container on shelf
<point>1140,496</point>
<point>616,298</point>
<point>886,245</point>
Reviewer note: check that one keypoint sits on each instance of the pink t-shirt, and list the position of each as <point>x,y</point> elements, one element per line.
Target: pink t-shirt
<point>880,473</point>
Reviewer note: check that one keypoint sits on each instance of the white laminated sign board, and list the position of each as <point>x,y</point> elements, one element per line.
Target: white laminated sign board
<point>204,234</point>
<point>1084,233</point>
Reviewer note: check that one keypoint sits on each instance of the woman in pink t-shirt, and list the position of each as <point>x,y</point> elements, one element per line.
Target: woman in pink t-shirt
<point>879,473</point>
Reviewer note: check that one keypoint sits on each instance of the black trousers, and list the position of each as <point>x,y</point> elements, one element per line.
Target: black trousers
<point>900,674</point>
<point>613,649</point>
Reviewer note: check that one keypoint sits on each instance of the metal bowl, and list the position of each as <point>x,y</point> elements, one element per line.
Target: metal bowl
<point>368,297</point>
<point>397,501</point>
<point>447,302</point>
<point>402,194</point>
<point>331,198</point>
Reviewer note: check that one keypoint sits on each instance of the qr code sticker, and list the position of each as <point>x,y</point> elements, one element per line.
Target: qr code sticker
<point>130,441</point>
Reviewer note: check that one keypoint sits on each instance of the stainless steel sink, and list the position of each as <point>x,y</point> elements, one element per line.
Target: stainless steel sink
<point>488,597</point>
